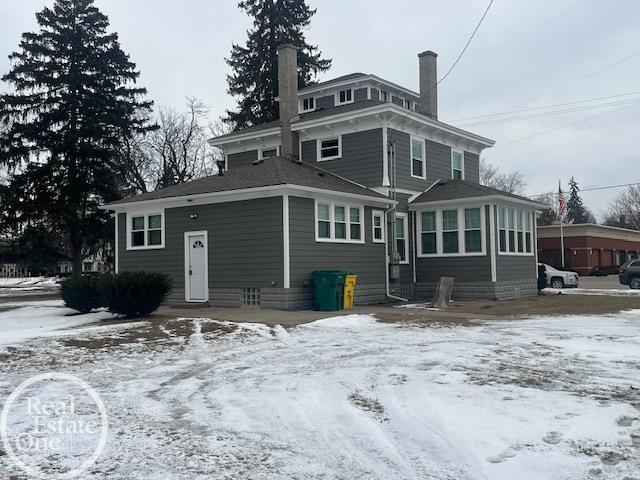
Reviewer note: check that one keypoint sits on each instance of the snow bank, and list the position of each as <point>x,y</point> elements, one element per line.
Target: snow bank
<point>594,291</point>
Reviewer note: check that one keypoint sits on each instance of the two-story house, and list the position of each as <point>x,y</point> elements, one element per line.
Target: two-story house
<point>357,174</point>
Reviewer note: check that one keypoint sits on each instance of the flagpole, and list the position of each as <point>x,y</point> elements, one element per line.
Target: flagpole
<point>562,241</point>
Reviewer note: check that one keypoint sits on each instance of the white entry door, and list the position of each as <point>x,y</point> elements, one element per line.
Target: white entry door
<point>196,268</point>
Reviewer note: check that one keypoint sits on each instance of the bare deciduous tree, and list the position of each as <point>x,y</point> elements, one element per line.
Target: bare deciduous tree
<point>549,214</point>
<point>624,211</point>
<point>507,182</point>
<point>176,152</point>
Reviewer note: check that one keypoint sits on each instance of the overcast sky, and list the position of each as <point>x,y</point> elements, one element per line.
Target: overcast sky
<point>523,49</point>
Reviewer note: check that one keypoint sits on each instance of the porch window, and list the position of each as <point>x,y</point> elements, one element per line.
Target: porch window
<point>472,230</point>
<point>402,245</point>
<point>339,223</point>
<point>378,227</point>
<point>450,231</point>
<point>428,233</point>
<point>527,232</point>
<point>457,165</point>
<point>417,158</point>
<point>329,148</point>
<point>511,220</point>
<point>145,231</point>
<point>502,229</point>
<point>520,232</point>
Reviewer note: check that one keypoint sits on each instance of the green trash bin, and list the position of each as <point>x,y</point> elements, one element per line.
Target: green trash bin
<point>329,287</point>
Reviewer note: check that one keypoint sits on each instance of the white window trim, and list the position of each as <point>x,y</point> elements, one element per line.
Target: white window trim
<point>302,109</point>
<point>424,157</point>
<point>507,253</point>
<point>461,152</point>
<point>319,148</point>
<point>261,150</point>
<point>374,214</point>
<point>405,221</point>
<point>337,96</point>
<point>145,214</point>
<point>332,230</point>
<point>461,230</point>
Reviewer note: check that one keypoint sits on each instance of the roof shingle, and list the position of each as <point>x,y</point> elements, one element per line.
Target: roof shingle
<point>457,189</point>
<point>268,172</point>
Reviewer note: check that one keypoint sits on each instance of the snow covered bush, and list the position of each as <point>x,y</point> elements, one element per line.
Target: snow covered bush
<point>136,294</point>
<point>83,294</point>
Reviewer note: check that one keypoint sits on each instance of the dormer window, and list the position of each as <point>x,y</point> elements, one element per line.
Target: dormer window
<point>308,104</point>
<point>384,96</point>
<point>345,96</point>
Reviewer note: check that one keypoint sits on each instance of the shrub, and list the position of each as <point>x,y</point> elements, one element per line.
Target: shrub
<point>136,294</point>
<point>83,293</point>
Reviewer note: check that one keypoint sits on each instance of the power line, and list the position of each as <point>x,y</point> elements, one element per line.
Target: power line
<point>590,189</point>
<point>548,106</point>
<point>553,112</point>
<point>473,34</point>
<point>564,126</point>
<point>579,79</point>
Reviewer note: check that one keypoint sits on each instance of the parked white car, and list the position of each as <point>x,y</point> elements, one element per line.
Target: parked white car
<point>559,278</point>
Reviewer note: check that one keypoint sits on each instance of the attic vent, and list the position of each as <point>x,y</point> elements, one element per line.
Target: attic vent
<point>258,162</point>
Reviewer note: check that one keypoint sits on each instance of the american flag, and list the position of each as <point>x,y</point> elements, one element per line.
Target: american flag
<point>562,202</point>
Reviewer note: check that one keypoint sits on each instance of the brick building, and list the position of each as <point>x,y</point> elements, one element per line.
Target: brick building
<point>587,246</point>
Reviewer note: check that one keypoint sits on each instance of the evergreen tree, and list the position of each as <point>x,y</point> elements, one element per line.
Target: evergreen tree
<point>576,211</point>
<point>73,102</point>
<point>254,80</point>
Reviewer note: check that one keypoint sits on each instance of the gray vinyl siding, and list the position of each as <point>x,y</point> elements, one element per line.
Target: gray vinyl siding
<point>403,162</point>
<point>359,94</point>
<point>245,244</point>
<point>242,158</point>
<point>472,167</point>
<point>361,157</point>
<point>438,161</point>
<point>375,94</point>
<point>326,101</point>
<point>306,255</point>
<point>463,269</point>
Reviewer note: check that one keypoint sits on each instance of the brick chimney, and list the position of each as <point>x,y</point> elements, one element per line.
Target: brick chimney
<point>428,84</point>
<point>288,98</point>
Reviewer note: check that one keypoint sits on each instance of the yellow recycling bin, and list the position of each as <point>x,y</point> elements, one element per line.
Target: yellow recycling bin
<point>350,281</point>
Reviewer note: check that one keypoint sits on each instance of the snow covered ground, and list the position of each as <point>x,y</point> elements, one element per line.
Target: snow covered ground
<point>28,282</point>
<point>615,292</point>
<point>350,398</point>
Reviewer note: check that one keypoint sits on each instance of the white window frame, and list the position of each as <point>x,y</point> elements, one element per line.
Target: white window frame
<point>461,152</point>
<point>308,109</point>
<point>383,93</point>
<point>337,96</point>
<point>332,230</point>
<point>461,229</point>
<point>424,157</point>
<point>377,214</point>
<point>319,148</point>
<point>261,151</point>
<point>523,210</point>
<point>407,235</point>
<point>146,215</point>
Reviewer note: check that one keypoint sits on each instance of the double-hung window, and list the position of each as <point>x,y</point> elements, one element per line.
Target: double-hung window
<point>145,231</point>
<point>428,233</point>
<point>378,226</point>
<point>336,222</point>
<point>308,104</point>
<point>527,232</point>
<point>345,96</point>
<point>511,223</point>
<point>502,229</point>
<point>417,158</point>
<point>329,148</point>
<point>519,231</point>
<point>457,165</point>
<point>472,230</point>
<point>402,237</point>
<point>450,242</point>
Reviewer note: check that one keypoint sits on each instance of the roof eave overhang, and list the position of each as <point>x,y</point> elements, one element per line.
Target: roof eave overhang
<point>364,78</point>
<point>244,194</point>
<point>240,137</point>
<point>481,199</point>
<point>395,116</point>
